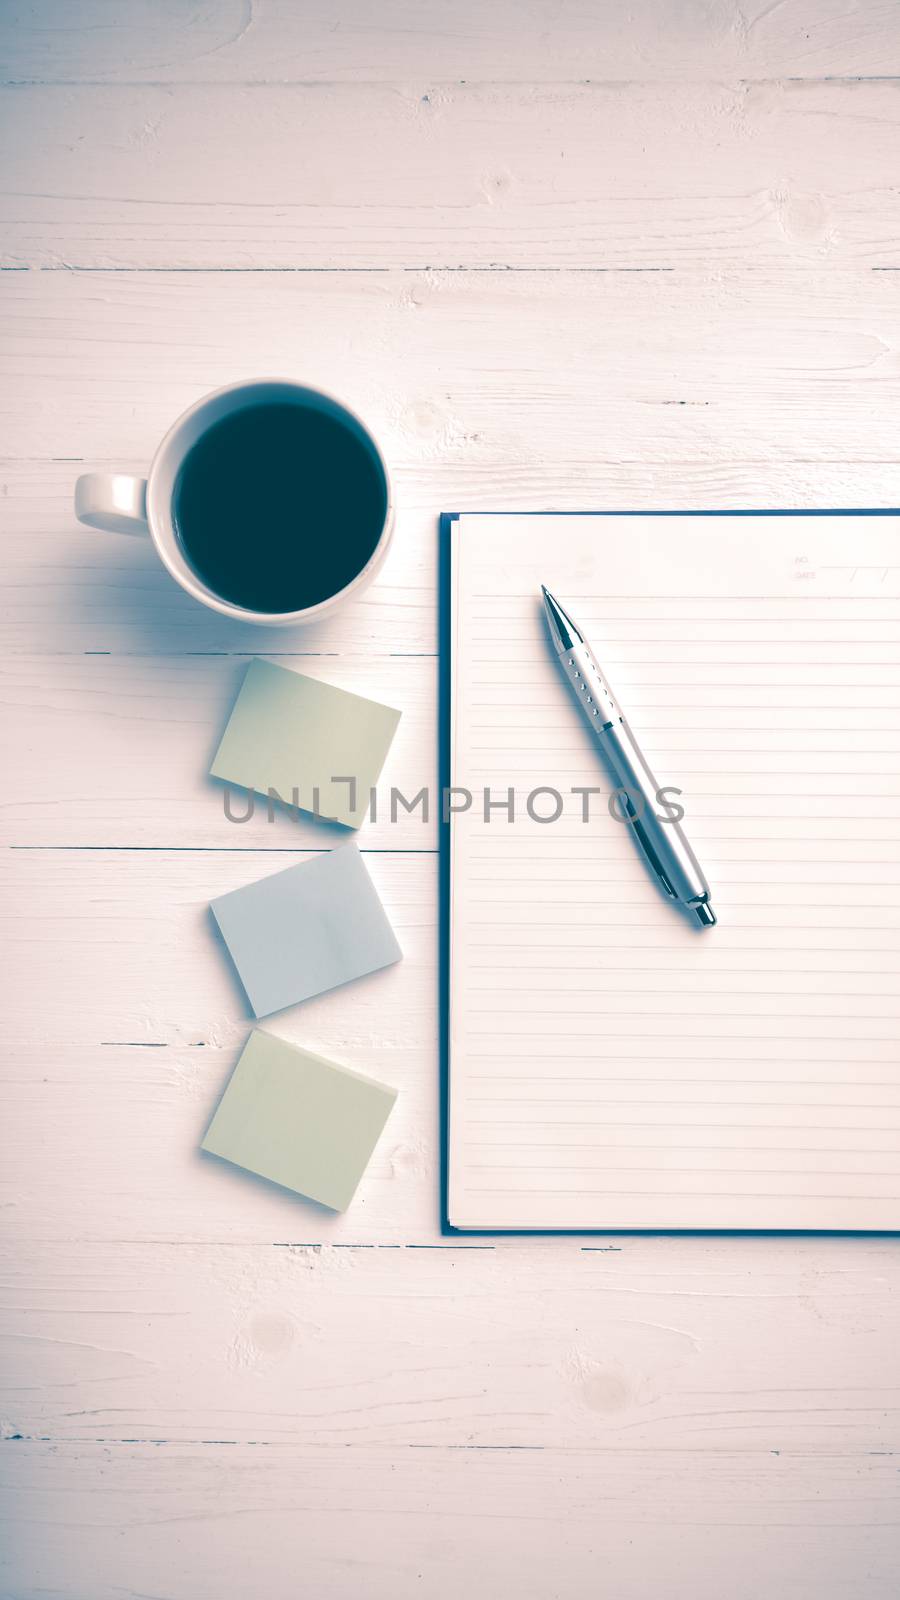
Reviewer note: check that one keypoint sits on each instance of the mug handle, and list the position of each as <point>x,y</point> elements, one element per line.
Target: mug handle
<point>113,501</point>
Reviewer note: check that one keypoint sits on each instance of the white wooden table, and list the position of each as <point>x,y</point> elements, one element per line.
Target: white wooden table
<point>560,255</point>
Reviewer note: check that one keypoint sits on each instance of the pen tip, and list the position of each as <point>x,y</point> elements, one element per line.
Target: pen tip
<point>562,629</point>
<point>705,914</point>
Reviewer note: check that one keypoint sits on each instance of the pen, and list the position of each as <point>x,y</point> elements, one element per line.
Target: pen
<point>665,847</point>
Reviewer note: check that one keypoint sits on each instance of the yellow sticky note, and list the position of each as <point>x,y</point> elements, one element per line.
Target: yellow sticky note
<point>320,748</point>
<point>299,1120</point>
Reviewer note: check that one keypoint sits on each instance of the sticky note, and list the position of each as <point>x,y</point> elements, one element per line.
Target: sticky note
<point>307,929</point>
<point>300,1120</point>
<point>319,747</point>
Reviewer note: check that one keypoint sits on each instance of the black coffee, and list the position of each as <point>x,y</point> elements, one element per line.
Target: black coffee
<point>279,506</point>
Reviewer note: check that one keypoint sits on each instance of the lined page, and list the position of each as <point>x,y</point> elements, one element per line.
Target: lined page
<point>611,1064</point>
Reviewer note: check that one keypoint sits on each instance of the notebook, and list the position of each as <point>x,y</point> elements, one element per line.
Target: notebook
<point>607,1065</point>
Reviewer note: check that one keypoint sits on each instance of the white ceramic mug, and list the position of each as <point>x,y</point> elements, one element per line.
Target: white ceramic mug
<point>120,503</point>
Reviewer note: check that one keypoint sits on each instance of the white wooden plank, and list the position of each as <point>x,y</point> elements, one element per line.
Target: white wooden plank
<point>91,1522</point>
<point>481,370</point>
<point>580,175</point>
<point>744,1343</point>
<point>283,41</point>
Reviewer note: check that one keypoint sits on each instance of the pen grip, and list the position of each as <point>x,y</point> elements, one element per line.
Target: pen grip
<point>594,695</point>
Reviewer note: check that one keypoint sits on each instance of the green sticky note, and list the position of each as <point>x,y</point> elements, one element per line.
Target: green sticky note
<point>320,748</point>
<point>299,1120</point>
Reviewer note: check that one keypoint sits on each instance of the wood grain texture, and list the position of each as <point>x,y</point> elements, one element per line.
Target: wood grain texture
<point>210,1387</point>
<point>581,175</point>
<point>475,369</point>
<point>101,1521</point>
<point>261,1343</point>
<point>276,41</point>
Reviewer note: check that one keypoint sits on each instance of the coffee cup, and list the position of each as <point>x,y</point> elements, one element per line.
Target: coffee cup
<point>268,501</point>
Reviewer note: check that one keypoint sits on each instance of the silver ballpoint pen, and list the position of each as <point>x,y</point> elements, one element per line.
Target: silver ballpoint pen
<point>668,853</point>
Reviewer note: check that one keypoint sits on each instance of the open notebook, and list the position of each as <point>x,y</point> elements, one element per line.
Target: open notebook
<point>609,1065</point>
